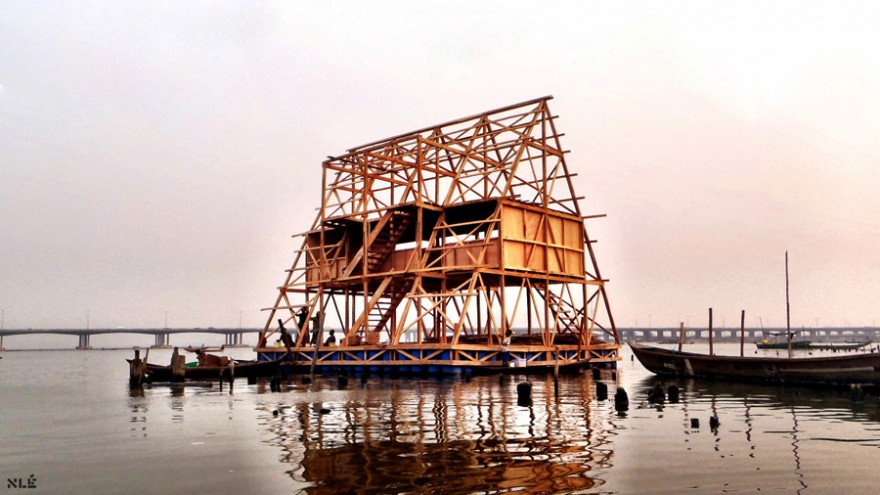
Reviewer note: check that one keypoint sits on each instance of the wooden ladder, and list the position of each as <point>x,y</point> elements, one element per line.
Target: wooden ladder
<point>385,308</point>
<point>568,316</point>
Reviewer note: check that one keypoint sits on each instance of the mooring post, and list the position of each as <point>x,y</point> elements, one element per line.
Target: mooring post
<point>857,394</point>
<point>601,391</point>
<point>137,370</point>
<point>317,334</point>
<point>711,339</point>
<point>178,366</point>
<point>621,400</point>
<point>556,365</point>
<point>680,335</point>
<point>657,395</point>
<point>524,394</point>
<point>742,333</point>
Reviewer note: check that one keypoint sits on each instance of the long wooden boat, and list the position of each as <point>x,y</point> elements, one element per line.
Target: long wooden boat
<point>787,336</point>
<point>863,368</point>
<point>795,344</point>
<point>242,369</point>
<point>839,346</point>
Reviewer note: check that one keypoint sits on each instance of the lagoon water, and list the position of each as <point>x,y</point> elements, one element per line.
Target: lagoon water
<point>70,425</point>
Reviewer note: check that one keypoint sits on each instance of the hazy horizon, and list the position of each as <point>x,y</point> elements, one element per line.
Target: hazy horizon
<point>156,158</point>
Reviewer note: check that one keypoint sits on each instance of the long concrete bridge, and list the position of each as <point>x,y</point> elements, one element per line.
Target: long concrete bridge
<point>852,334</point>
<point>233,336</point>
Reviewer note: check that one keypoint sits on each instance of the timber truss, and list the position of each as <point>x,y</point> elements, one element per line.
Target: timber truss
<point>429,246</point>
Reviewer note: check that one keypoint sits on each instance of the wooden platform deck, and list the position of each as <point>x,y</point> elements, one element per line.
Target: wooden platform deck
<point>444,358</point>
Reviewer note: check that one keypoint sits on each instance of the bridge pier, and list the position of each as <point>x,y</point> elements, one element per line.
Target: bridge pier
<point>84,342</point>
<point>162,341</point>
<point>235,339</point>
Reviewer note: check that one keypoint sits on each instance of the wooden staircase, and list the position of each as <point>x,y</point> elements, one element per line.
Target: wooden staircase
<point>385,307</point>
<point>386,238</point>
<point>568,317</point>
<point>381,242</point>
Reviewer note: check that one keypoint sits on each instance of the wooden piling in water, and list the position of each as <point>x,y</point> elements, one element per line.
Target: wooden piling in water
<point>601,391</point>
<point>680,335</point>
<point>711,337</point>
<point>137,370</point>
<point>621,400</point>
<point>524,394</point>
<point>178,365</point>
<point>657,395</point>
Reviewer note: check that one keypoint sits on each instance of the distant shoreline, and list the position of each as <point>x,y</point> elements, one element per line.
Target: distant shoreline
<point>123,348</point>
<point>74,349</point>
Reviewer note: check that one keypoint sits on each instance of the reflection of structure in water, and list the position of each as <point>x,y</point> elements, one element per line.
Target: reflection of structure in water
<point>448,438</point>
<point>769,437</point>
<point>429,246</point>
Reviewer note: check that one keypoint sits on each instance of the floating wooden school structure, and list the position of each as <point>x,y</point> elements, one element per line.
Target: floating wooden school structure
<point>429,246</point>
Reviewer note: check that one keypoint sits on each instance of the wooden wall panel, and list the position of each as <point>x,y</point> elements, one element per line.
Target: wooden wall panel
<point>514,255</point>
<point>541,241</point>
<point>512,223</point>
<point>534,227</point>
<point>467,255</point>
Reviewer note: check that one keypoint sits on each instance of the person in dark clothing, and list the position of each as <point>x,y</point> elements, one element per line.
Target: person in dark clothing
<point>331,340</point>
<point>301,316</point>
<point>286,338</point>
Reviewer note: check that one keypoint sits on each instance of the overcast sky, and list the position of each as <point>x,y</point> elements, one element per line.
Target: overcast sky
<point>157,156</point>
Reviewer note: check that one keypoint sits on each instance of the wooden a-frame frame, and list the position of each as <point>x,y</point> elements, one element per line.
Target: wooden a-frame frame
<point>436,242</point>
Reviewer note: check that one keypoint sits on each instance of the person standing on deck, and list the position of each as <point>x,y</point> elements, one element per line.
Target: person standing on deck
<point>286,338</point>
<point>301,318</point>
<point>505,347</point>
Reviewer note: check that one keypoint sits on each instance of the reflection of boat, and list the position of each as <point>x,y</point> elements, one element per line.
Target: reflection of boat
<point>826,370</point>
<point>241,369</point>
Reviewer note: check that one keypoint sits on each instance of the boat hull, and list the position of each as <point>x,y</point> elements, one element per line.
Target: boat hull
<point>824,371</point>
<point>797,344</point>
<point>844,346</point>
<point>242,369</point>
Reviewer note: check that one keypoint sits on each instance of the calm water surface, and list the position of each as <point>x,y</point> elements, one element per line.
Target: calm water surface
<point>70,424</point>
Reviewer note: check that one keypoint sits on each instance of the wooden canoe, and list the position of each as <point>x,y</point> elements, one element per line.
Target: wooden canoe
<point>242,369</point>
<point>839,346</point>
<point>795,344</point>
<point>863,368</point>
